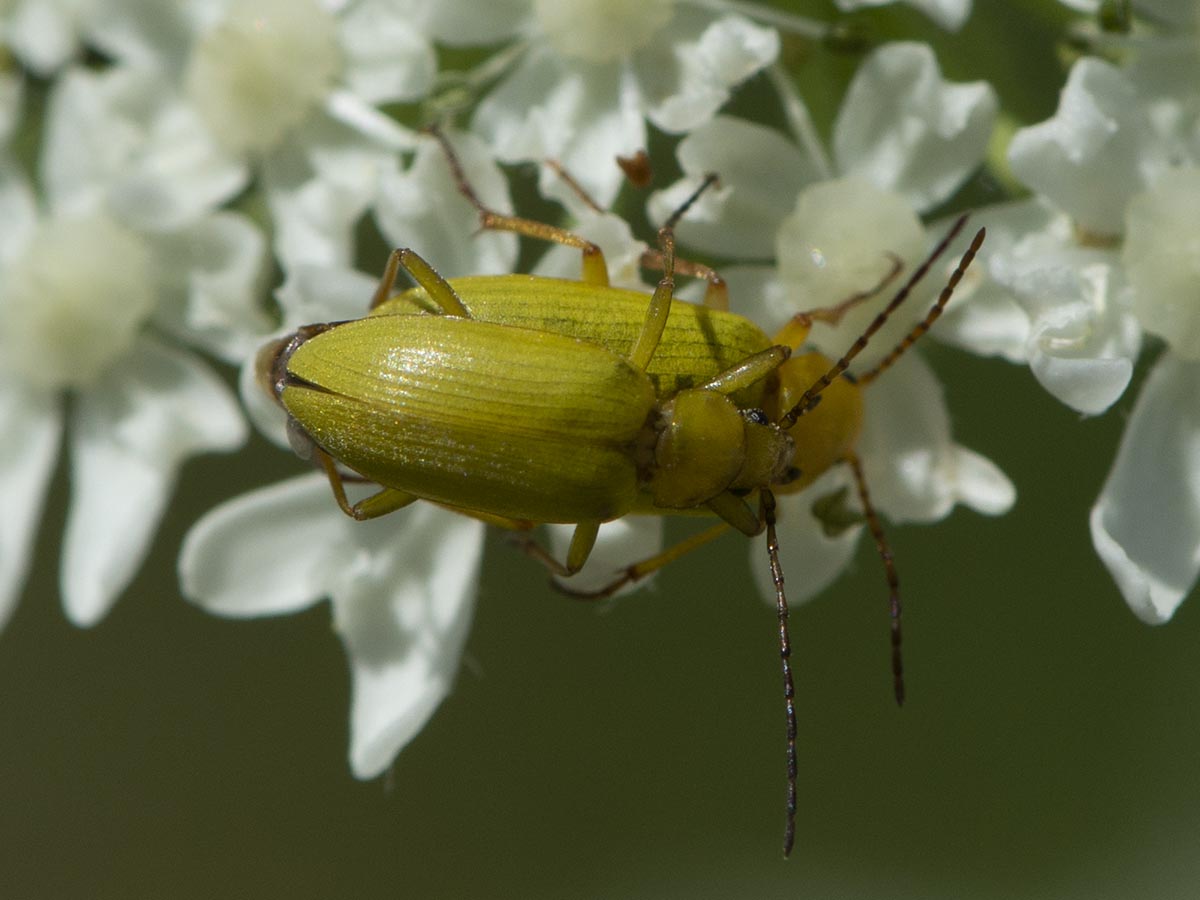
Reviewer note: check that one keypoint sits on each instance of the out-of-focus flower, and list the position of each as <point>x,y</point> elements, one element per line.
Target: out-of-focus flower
<point>584,76</point>
<point>950,14</point>
<point>120,250</point>
<point>290,88</point>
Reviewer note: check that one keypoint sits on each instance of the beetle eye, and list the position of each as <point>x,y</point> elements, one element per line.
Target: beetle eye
<point>757,416</point>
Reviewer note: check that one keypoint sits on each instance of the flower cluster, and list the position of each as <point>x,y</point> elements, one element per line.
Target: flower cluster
<point>183,149</point>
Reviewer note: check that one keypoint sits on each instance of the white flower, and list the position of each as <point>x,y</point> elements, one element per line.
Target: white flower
<point>402,587</point>
<point>903,141</point>
<point>1105,252</point>
<point>592,72</point>
<point>1176,12</point>
<point>950,14</point>
<point>45,34</point>
<point>290,86</point>
<point>116,252</point>
<point>1146,522</point>
<point>1055,258</point>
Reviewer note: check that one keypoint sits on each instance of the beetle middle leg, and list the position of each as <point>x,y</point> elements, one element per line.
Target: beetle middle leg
<point>424,275</point>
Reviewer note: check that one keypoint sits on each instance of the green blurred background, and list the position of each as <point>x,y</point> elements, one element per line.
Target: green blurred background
<point>1048,750</point>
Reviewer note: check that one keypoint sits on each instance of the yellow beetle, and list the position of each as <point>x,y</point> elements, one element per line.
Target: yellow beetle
<point>522,400</point>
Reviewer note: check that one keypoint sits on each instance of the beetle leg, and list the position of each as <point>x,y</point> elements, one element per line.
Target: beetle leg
<point>659,309</point>
<point>384,501</point>
<point>737,512</point>
<point>749,371</point>
<point>635,572</point>
<point>795,331</point>
<point>582,542</point>
<point>716,294</point>
<point>595,269</point>
<point>423,274</point>
<point>889,567</point>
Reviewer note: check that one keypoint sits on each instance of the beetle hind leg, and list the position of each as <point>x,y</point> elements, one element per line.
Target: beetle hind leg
<point>595,268</point>
<point>385,500</point>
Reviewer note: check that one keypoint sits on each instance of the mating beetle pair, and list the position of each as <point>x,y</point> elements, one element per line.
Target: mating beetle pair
<point>522,400</point>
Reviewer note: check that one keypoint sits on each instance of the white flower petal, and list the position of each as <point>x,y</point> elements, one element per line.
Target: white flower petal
<point>1081,346</point>
<point>905,128</point>
<point>914,470</point>
<point>211,284</point>
<point>620,544</point>
<point>121,138</point>
<point>459,22</point>
<point>149,32</point>
<point>423,209</point>
<point>267,552</point>
<point>129,435</point>
<point>1082,337</point>
<point>33,429</point>
<point>403,614</point>
<point>1162,259</point>
<point>582,116</point>
<point>43,34</point>
<point>950,14</point>
<point>842,239</point>
<point>361,117</point>
<point>1094,153</point>
<point>1146,522</point>
<point>811,559</point>
<point>18,210</point>
<point>686,79</point>
<point>760,172</point>
<point>755,292</point>
<point>314,222</point>
<point>324,294</point>
<point>320,185</point>
<point>386,59</point>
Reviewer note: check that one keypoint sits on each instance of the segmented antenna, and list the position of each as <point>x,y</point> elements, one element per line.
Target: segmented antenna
<point>809,398</point>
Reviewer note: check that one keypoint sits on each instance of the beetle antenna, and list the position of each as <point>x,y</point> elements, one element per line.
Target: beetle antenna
<point>573,183</point>
<point>456,169</point>
<point>810,397</point>
<point>889,568</point>
<point>785,656</point>
<point>935,311</point>
<point>709,180</point>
